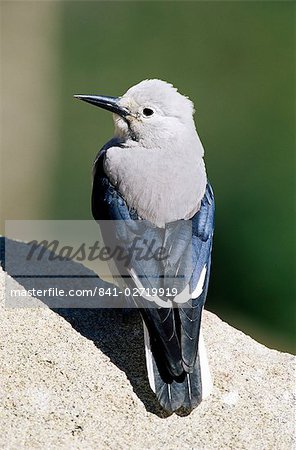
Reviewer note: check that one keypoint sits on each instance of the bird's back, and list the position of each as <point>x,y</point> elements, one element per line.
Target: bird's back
<point>171,333</point>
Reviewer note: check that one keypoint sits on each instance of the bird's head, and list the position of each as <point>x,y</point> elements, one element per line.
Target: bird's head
<point>150,112</point>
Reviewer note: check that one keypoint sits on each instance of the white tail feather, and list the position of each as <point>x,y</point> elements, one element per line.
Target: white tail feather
<point>206,379</point>
<point>149,362</point>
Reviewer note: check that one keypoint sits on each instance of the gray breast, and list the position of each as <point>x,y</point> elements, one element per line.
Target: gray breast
<point>162,186</point>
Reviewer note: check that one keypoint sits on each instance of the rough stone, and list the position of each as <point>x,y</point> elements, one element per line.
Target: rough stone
<point>77,379</point>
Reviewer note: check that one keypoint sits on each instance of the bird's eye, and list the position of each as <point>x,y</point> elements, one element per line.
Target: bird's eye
<point>148,112</point>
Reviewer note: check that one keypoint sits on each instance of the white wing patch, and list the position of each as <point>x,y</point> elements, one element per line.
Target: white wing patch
<point>199,287</point>
<point>144,294</point>
<point>149,362</point>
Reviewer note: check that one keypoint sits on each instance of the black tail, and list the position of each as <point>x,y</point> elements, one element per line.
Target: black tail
<point>183,392</point>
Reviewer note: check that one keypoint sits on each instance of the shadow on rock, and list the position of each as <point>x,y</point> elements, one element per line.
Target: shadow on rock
<point>116,331</point>
<point>119,334</point>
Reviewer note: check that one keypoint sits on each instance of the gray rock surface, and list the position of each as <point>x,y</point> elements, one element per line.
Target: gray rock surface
<point>76,379</point>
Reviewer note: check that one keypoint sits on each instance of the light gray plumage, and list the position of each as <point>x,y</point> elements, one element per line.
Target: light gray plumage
<point>161,173</point>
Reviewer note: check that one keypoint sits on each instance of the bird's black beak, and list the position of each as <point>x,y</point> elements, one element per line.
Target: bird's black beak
<point>109,103</point>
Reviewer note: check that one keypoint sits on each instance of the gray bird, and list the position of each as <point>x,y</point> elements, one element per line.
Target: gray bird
<point>150,181</point>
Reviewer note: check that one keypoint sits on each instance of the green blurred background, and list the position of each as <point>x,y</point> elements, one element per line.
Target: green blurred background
<point>235,60</point>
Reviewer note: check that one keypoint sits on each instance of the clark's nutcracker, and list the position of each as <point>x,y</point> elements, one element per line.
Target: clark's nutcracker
<point>150,178</point>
